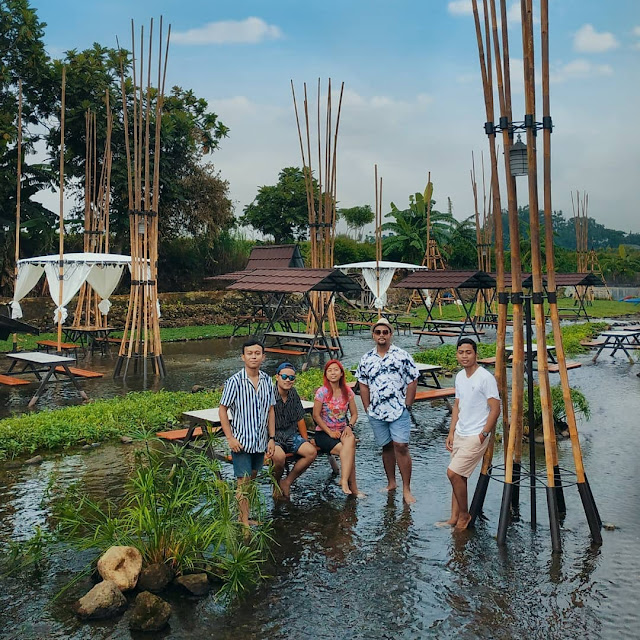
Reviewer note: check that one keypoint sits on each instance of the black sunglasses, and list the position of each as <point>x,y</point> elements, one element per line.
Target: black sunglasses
<point>382,332</point>
<point>287,376</point>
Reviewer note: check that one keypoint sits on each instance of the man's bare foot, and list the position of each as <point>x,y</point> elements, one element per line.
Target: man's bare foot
<point>446,523</point>
<point>359,494</point>
<point>407,496</point>
<point>285,488</point>
<point>345,488</point>
<point>392,486</point>
<point>463,522</point>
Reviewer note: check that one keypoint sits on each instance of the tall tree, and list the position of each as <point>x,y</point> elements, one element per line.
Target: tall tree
<point>280,210</point>
<point>356,218</point>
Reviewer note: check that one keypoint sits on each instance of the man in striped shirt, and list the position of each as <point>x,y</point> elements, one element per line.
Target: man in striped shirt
<point>250,397</point>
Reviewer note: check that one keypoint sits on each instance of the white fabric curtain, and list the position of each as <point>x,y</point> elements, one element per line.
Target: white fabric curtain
<point>378,286</point>
<point>103,279</point>
<point>28,276</point>
<point>75,273</point>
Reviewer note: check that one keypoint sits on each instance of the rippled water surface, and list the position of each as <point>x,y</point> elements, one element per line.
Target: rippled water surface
<point>371,568</point>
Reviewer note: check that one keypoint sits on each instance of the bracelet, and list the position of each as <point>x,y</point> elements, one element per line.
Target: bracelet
<point>272,437</point>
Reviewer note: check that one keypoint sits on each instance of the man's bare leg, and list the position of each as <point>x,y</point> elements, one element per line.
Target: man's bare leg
<point>389,464</point>
<point>279,460</point>
<point>307,453</point>
<point>243,500</point>
<point>459,485</point>
<point>403,458</point>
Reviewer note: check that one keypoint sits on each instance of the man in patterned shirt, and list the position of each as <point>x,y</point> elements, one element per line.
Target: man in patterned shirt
<point>249,394</point>
<point>388,379</point>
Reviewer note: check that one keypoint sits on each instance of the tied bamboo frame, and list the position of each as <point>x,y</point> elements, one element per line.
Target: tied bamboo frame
<point>483,232</point>
<point>97,194</point>
<point>513,452</point>
<point>141,337</point>
<point>322,218</point>
<point>378,215</point>
<point>18,198</point>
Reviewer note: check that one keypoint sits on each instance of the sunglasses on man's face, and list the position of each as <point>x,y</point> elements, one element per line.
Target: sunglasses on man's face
<point>287,376</point>
<point>382,332</point>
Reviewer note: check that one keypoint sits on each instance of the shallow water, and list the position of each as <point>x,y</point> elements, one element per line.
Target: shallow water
<point>373,568</point>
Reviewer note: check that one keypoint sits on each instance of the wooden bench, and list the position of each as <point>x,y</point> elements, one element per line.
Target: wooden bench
<point>360,324</point>
<point>555,368</point>
<point>449,334</point>
<point>285,352</point>
<point>47,345</point>
<point>318,347</point>
<point>591,343</point>
<point>10,381</point>
<point>435,394</point>
<point>80,373</point>
<point>489,361</point>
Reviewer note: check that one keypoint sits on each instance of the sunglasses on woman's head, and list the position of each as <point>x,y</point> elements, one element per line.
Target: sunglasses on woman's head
<point>287,376</point>
<point>382,332</point>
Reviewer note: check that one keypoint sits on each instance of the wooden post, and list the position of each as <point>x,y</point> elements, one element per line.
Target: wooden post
<point>61,214</point>
<point>18,197</point>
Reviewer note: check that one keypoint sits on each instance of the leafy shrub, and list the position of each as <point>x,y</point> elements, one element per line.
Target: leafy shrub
<point>580,405</point>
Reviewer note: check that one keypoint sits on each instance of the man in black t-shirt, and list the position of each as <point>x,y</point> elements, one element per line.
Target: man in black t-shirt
<point>291,431</point>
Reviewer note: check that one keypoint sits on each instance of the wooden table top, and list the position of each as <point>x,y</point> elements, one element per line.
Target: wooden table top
<point>213,415</point>
<point>291,334</point>
<point>39,357</point>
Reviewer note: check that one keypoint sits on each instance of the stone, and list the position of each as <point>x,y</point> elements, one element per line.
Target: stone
<point>155,577</point>
<point>122,565</point>
<point>105,600</point>
<point>197,388</point>
<point>35,460</point>
<point>539,438</point>
<point>126,439</point>
<point>195,583</point>
<point>609,526</point>
<point>149,613</point>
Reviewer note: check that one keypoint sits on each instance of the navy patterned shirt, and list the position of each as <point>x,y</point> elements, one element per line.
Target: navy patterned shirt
<point>250,409</point>
<point>387,378</point>
<point>288,414</point>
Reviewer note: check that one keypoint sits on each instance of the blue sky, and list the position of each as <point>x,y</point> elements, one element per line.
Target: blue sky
<point>413,96</point>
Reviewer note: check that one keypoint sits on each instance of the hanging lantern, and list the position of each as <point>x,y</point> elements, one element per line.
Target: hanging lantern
<point>518,159</point>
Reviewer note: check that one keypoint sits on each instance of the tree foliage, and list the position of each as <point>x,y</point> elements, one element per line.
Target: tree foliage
<point>357,217</point>
<point>281,210</point>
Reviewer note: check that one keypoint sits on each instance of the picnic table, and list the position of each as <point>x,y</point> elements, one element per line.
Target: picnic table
<point>292,343</point>
<point>619,340</point>
<point>534,349</point>
<point>448,328</point>
<point>89,337</point>
<point>47,363</point>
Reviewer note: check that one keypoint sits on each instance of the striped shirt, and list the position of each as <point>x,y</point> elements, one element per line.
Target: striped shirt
<point>250,409</point>
<point>288,414</point>
<point>387,378</point>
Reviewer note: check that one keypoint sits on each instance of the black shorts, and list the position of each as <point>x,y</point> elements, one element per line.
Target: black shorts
<point>325,442</point>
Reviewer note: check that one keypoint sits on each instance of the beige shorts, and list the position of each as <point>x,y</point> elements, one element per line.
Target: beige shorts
<point>467,452</point>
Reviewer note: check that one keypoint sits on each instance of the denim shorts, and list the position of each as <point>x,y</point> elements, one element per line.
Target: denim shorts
<point>292,444</point>
<point>244,464</point>
<point>397,430</point>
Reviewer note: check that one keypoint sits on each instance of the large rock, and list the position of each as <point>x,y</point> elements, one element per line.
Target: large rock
<point>155,577</point>
<point>105,600</point>
<point>149,613</point>
<point>195,583</point>
<point>122,565</point>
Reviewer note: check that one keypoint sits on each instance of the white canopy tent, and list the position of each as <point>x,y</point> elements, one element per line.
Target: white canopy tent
<point>378,276</point>
<point>102,271</point>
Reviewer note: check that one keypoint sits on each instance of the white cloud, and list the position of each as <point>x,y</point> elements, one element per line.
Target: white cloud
<point>250,31</point>
<point>588,40</point>
<point>636,31</point>
<point>460,7</point>
<point>579,68</point>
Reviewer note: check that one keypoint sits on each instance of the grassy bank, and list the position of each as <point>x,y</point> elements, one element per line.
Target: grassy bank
<point>572,335</point>
<point>136,414</point>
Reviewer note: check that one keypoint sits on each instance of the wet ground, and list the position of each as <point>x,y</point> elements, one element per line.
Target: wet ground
<point>373,568</point>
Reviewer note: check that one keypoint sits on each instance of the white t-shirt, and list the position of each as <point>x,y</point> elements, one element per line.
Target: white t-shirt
<point>473,394</point>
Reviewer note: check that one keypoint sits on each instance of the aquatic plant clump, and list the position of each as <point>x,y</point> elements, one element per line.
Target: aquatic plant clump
<point>176,510</point>
<point>136,414</point>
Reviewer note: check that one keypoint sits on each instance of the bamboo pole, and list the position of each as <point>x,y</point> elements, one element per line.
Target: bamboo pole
<point>18,198</point>
<point>61,213</point>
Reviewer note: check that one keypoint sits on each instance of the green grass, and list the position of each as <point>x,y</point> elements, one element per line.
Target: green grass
<point>136,414</point>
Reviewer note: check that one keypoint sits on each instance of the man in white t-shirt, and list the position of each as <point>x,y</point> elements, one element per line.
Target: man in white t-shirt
<point>475,413</point>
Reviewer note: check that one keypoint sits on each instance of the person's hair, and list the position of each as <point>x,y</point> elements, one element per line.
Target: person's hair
<point>251,342</point>
<point>342,382</point>
<point>467,341</point>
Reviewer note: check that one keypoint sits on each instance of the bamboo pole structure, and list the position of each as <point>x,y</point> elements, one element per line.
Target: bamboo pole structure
<point>322,212</point>
<point>96,212</point>
<point>553,476</point>
<point>378,190</point>
<point>483,234</point>
<point>61,213</point>
<point>501,372</point>
<point>141,342</point>
<point>18,198</point>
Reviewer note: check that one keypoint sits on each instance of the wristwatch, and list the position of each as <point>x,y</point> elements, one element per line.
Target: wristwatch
<point>272,437</point>
<point>486,434</point>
